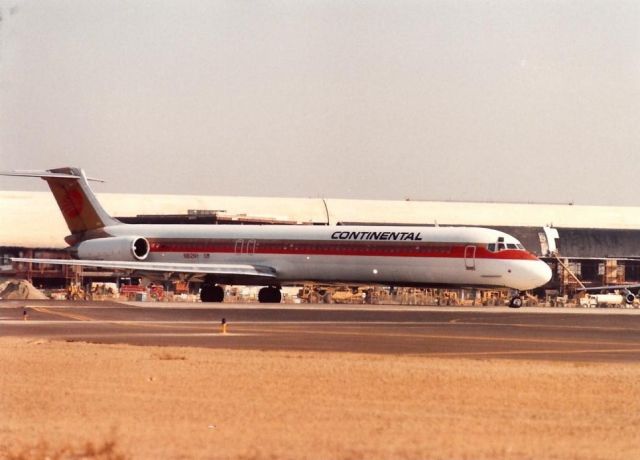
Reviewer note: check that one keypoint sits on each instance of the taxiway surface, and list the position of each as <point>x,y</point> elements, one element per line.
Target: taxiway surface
<point>527,333</point>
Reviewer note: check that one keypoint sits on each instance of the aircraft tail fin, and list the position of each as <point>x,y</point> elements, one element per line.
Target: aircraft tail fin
<point>77,202</point>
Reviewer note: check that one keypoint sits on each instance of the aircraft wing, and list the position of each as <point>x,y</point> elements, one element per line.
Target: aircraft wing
<point>620,287</point>
<point>225,273</point>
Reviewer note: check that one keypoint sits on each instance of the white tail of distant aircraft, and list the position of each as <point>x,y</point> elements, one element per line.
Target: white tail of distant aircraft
<point>277,255</point>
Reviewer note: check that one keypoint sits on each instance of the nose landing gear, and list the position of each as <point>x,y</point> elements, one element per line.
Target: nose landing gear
<point>516,301</point>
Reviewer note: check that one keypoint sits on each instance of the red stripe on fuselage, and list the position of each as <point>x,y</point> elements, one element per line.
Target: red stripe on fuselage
<point>333,248</point>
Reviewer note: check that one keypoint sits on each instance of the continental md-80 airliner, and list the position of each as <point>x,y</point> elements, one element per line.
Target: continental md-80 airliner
<point>277,255</point>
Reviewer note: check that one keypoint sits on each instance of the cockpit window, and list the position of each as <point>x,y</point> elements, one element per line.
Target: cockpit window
<point>501,246</point>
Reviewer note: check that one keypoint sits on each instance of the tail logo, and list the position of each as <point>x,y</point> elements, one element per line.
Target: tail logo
<point>73,203</point>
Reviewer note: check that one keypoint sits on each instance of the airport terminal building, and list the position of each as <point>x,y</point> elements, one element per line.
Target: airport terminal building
<point>597,244</point>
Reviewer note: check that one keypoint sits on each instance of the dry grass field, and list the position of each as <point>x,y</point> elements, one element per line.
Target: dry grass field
<point>77,400</point>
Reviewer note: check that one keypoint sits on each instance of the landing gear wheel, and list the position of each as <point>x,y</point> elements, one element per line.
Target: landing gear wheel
<point>211,293</point>
<point>516,302</point>
<point>269,295</point>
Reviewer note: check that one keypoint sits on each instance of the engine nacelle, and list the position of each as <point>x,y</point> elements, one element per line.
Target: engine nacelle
<point>126,248</point>
<point>629,297</point>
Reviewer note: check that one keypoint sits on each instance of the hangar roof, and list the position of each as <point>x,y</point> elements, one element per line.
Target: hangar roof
<point>32,219</point>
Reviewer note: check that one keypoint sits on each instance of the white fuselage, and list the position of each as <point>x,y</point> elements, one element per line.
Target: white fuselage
<point>411,256</point>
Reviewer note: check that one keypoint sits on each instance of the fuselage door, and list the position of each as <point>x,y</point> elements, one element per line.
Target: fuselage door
<point>251,247</point>
<point>238,247</point>
<point>470,257</point>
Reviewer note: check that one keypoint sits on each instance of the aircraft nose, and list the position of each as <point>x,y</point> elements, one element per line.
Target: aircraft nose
<point>536,274</point>
<point>542,273</point>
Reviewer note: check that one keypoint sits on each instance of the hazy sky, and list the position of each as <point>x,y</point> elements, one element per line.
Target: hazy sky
<point>463,100</point>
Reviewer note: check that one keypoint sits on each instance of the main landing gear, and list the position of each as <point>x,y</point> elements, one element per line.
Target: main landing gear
<point>211,293</point>
<point>269,295</point>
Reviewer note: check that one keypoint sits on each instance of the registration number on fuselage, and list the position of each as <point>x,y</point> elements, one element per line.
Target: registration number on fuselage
<point>195,255</point>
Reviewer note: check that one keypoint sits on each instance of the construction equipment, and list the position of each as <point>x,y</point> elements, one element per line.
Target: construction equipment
<point>493,298</point>
<point>156,291</point>
<point>448,298</point>
<point>181,287</point>
<point>75,291</point>
<point>349,295</point>
<point>133,292</point>
<point>312,293</point>
<point>102,291</point>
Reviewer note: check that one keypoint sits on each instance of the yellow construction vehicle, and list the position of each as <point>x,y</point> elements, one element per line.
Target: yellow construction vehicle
<point>311,293</point>
<point>75,292</point>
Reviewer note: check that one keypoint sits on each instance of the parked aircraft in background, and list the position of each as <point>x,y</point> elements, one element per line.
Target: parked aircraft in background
<point>612,294</point>
<point>602,295</point>
<point>277,255</point>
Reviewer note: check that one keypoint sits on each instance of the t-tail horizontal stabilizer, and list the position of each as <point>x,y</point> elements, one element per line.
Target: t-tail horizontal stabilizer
<point>77,202</point>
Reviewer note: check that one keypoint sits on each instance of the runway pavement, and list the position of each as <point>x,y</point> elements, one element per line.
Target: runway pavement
<point>528,333</point>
